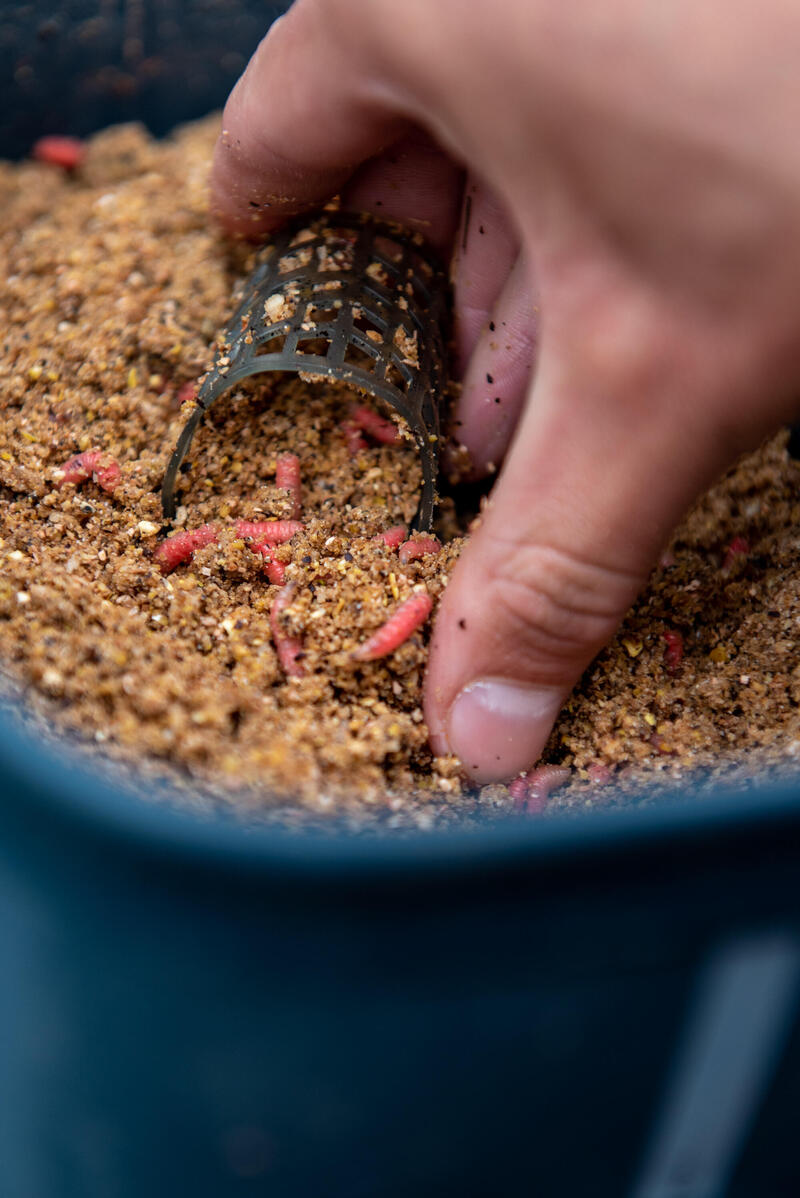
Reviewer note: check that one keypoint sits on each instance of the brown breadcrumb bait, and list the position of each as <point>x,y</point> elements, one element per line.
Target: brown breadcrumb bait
<point>163,647</point>
<point>703,678</point>
<point>237,673</point>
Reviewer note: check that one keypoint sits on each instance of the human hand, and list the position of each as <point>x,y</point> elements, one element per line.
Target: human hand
<point>643,160</point>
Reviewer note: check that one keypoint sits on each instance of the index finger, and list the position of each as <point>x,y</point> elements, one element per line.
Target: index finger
<point>305,114</point>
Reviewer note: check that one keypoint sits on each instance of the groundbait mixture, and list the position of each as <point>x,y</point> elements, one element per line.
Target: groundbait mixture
<point>270,651</point>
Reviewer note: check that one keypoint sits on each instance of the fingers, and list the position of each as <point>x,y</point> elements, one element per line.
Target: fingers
<point>412,182</point>
<point>498,375</point>
<point>303,116</point>
<point>485,251</point>
<point>571,529</point>
<point>303,121</point>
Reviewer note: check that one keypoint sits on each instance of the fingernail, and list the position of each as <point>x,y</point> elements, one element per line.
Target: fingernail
<point>498,728</point>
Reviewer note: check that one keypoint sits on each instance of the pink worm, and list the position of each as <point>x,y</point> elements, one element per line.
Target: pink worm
<point>412,550</point>
<point>276,570</point>
<point>92,463</point>
<point>287,477</point>
<point>599,773</point>
<point>268,532</point>
<point>531,791</point>
<point>287,647</point>
<point>378,427</point>
<point>56,150</point>
<point>673,654</point>
<point>738,547</point>
<point>264,536</point>
<point>393,537</point>
<point>181,546</point>
<point>352,438</point>
<point>407,618</point>
<point>187,392</point>
<point>518,789</point>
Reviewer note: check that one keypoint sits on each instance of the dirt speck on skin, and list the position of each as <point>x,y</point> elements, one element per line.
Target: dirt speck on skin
<point>116,286</point>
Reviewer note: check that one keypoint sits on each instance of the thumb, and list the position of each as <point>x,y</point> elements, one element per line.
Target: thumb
<point>618,437</point>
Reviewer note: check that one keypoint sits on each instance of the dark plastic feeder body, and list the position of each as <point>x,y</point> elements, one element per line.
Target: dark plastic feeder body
<point>589,1007</point>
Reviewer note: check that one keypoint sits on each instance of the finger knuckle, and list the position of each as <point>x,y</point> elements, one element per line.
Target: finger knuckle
<point>553,610</point>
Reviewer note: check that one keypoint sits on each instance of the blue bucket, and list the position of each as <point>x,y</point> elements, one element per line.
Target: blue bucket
<point>561,1008</point>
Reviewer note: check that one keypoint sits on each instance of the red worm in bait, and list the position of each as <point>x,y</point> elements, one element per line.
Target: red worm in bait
<point>408,617</point>
<point>264,535</point>
<point>287,477</point>
<point>673,653</point>
<point>276,570</point>
<point>181,546</point>
<point>738,547</point>
<point>352,438</point>
<point>393,537</point>
<point>411,551</point>
<point>91,464</point>
<point>268,532</point>
<point>55,150</point>
<point>287,647</point>
<point>187,392</point>
<point>518,789</point>
<point>384,431</point>
<point>531,791</point>
<point>599,773</point>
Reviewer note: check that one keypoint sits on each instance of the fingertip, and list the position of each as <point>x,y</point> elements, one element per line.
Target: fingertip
<point>498,727</point>
<point>296,125</point>
<point>254,190</point>
<point>437,731</point>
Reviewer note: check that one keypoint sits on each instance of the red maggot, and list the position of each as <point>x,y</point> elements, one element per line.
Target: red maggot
<point>739,547</point>
<point>382,430</point>
<point>363,420</point>
<point>289,648</point>
<point>352,438</point>
<point>518,789</point>
<point>187,392</point>
<point>673,653</point>
<point>531,791</point>
<point>181,546</point>
<point>599,773</point>
<point>393,537</point>
<point>268,532</point>
<point>276,570</point>
<point>418,547</point>
<point>58,150</point>
<point>407,618</point>
<point>92,463</point>
<point>287,477</point>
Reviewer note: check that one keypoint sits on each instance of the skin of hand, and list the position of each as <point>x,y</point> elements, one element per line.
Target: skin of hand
<point>631,174</point>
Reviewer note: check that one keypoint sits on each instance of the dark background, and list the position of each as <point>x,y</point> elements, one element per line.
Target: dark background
<point>75,67</point>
